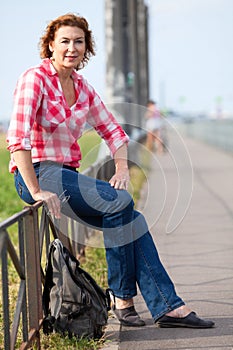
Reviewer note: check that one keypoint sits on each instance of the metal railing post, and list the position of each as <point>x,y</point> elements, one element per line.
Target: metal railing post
<point>5,297</point>
<point>33,273</point>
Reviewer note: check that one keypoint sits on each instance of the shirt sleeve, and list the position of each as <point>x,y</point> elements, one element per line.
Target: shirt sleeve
<point>27,98</point>
<point>105,123</point>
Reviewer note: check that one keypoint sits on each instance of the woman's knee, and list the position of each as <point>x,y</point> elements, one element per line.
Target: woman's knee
<point>125,200</point>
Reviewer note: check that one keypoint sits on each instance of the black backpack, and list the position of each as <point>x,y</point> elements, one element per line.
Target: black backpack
<point>73,302</point>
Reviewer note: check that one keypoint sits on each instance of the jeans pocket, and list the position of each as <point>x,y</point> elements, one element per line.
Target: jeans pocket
<point>22,190</point>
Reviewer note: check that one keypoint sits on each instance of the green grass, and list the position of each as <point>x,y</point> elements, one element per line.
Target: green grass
<point>10,203</point>
<point>89,144</point>
<point>94,262</point>
<point>56,341</point>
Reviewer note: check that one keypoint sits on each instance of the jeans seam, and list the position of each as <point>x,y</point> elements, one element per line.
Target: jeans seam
<point>146,264</point>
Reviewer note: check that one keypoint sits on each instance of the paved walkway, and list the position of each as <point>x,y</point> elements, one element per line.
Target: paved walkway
<point>196,247</point>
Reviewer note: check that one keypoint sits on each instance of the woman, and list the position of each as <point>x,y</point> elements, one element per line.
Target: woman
<point>52,103</point>
<point>153,127</point>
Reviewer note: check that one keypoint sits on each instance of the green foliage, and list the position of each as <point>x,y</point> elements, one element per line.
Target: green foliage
<point>95,263</point>
<point>10,203</point>
<point>137,178</point>
<point>89,144</point>
<point>56,341</point>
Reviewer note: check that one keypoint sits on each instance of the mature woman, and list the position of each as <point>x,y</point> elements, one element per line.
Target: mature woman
<point>52,104</point>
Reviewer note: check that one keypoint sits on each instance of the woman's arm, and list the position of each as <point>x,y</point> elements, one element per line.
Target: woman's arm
<point>120,179</point>
<point>24,164</point>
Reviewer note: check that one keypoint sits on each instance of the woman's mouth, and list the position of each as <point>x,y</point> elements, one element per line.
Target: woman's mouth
<point>71,58</point>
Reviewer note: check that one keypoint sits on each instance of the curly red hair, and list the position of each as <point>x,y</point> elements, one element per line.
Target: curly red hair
<point>71,20</point>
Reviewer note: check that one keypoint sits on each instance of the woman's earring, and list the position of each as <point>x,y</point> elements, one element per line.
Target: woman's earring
<point>52,58</point>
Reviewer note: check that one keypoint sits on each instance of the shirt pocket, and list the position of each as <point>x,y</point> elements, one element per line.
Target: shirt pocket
<point>55,113</point>
<point>76,123</point>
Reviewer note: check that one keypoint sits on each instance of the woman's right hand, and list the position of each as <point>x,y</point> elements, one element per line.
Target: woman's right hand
<point>51,200</point>
<point>23,160</point>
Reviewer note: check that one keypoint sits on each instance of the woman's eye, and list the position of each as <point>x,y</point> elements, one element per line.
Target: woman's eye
<point>78,41</point>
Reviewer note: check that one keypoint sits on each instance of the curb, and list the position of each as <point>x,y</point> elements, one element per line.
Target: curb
<point>112,333</point>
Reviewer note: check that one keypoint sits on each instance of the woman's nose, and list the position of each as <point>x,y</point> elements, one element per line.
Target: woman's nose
<point>71,46</point>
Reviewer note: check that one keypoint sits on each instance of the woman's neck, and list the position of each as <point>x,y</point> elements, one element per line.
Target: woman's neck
<point>63,73</point>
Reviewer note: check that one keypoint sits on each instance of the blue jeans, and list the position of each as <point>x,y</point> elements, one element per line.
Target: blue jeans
<point>131,254</point>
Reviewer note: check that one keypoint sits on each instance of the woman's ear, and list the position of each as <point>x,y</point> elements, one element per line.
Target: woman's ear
<point>50,47</point>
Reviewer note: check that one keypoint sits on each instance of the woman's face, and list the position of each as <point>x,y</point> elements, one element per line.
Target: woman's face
<point>68,47</point>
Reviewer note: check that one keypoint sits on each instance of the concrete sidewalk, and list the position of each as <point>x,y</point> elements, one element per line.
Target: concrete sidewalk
<point>196,247</point>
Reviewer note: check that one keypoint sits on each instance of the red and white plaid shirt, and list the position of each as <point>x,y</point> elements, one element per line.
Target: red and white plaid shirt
<point>43,122</point>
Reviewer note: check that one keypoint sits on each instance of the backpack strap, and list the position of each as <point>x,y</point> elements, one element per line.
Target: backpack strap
<point>48,319</point>
<point>110,296</point>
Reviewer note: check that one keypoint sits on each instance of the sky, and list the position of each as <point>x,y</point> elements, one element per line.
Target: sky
<point>190,49</point>
<point>191,56</point>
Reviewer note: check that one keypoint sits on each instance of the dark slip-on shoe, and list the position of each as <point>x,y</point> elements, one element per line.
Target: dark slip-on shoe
<point>129,317</point>
<point>189,321</point>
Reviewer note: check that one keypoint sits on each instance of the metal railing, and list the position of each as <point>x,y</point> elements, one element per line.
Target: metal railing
<point>35,231</point>
<point>27,265</point>
<point>217,133</point>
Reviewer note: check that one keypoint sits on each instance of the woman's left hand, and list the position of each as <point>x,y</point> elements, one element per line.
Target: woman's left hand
<point>120,181</point>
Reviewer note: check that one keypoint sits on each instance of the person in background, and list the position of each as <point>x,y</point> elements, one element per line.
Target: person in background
<point>154,123</point>
<point>52,104</point>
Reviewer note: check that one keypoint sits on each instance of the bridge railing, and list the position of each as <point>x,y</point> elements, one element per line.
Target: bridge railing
<point>217,133</point>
